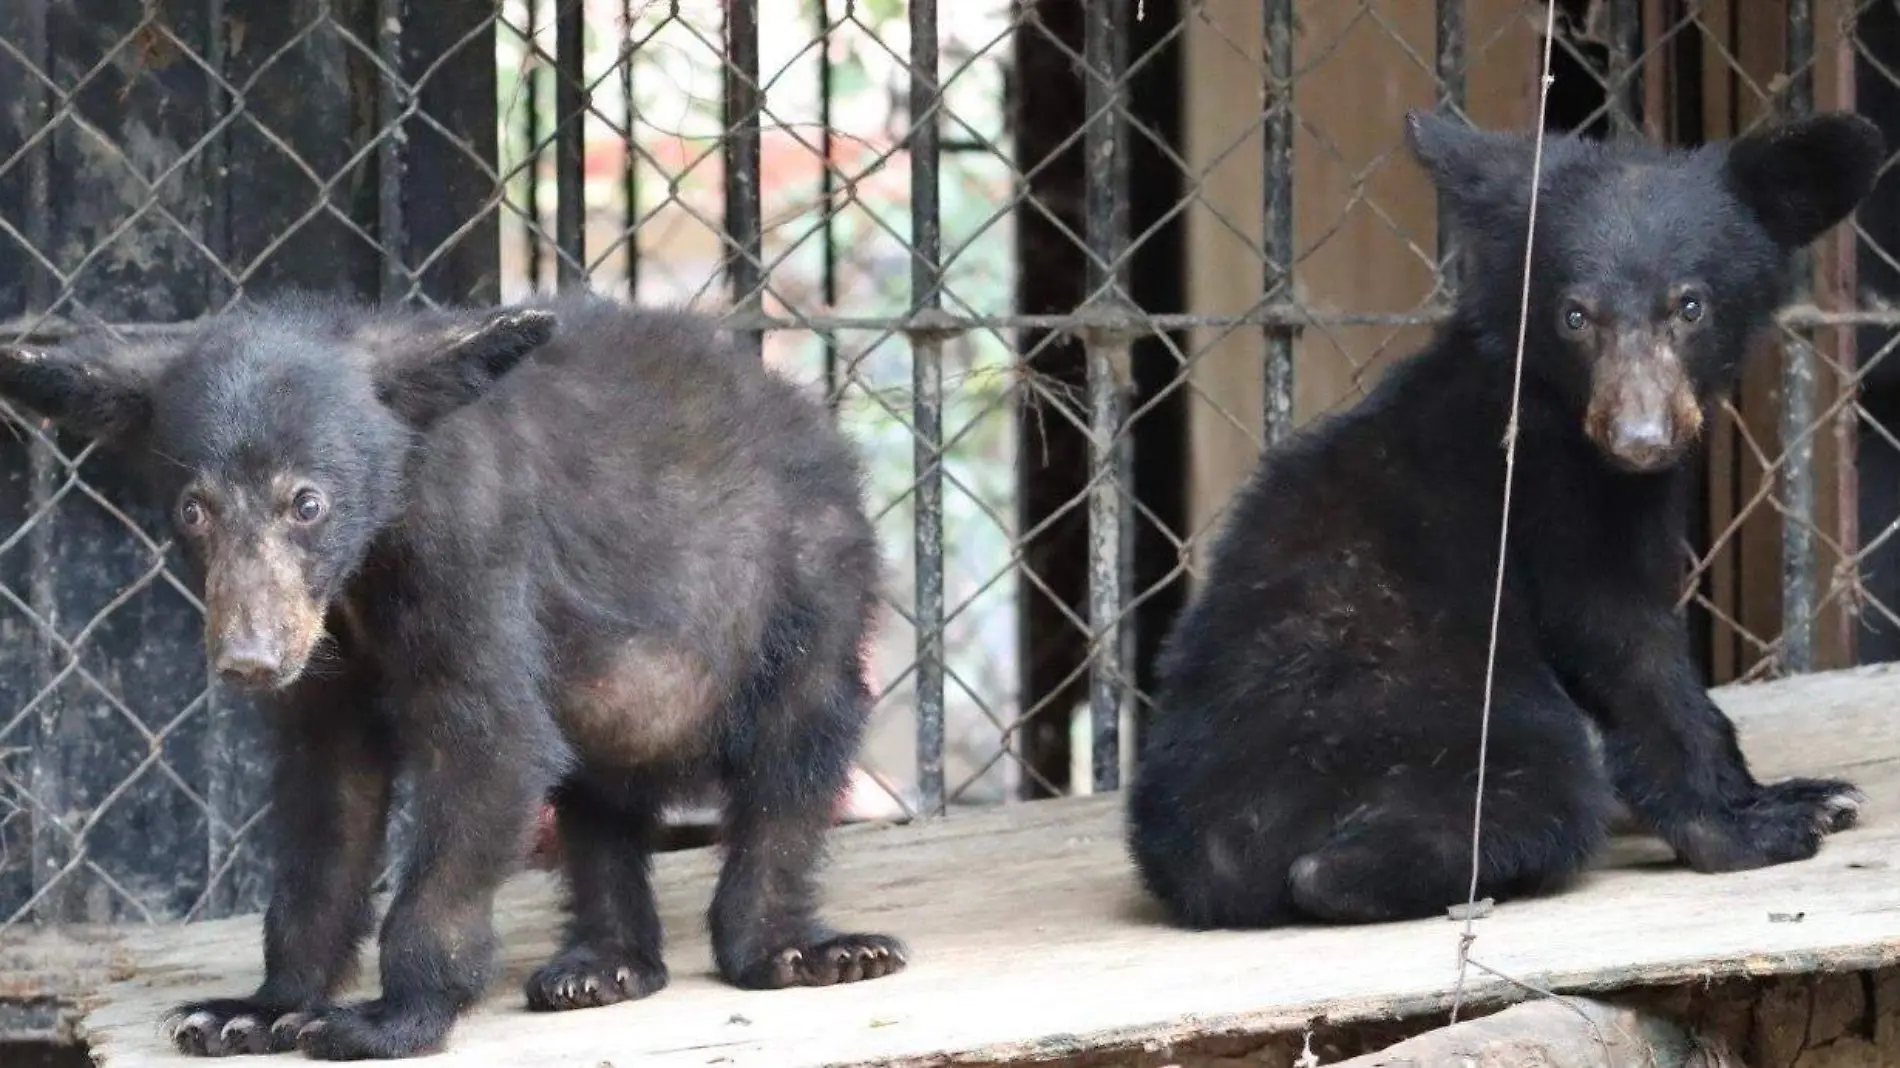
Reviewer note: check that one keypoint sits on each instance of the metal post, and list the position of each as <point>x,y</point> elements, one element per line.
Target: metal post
<point>531,170</point>
<point>52,847</point>
<point>1451,104</point>
<point>570,124</point>
<point>828,189</point>
<point>926,279</point>
<point>1277,216</point>
<point>390,230</point>
<point>630,175</point>
<point>1625,68</point>
<point>1798,566</point>
<point>1106,218</point>
<point>743,221</point>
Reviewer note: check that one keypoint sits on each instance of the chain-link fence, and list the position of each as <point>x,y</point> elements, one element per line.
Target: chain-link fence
<point>1061,268</point>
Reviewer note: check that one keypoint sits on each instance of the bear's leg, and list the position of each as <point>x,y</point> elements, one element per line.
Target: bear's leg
<point>1684,776</point>
<point>784,772</point>
<point>612,950</point>
<point>1407,855</point>
<point>330,789</point>
<point>1672,752</point>
<point>484,752</point>
<point>473,814</point>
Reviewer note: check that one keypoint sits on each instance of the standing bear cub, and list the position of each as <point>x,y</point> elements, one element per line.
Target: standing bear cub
<point>564,547</point>
<point>1316,748</point>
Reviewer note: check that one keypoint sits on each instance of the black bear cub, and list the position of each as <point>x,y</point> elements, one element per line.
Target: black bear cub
<point>1314,754</point>
<point>563,547</point>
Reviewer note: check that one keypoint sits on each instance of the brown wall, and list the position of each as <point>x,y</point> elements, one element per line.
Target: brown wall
<point>1364,215</point>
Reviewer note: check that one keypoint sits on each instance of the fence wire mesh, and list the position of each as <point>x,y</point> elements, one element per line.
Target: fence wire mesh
<point>1060,268</point>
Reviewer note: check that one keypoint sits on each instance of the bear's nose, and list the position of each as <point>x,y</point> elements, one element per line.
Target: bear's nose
<point>1641,441</point>
<point>250,661</point>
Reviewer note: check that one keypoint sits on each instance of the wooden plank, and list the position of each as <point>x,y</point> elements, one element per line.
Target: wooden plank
<point>48,979</point>
<point>1573,1033</point>
<point>1031,940</point>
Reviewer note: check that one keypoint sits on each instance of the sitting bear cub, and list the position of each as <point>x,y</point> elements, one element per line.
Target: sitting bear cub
<point>1315,750</point>
<point>565,547</point>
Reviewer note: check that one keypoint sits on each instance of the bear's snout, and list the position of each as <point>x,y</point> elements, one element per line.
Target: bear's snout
<point>251,657</point>
<point>1642,440</point>
<point>261,623</point>
<point>1643,413</point>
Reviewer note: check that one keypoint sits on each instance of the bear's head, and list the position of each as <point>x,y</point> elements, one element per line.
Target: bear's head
<point>278,436</point>
<point>1653,269</point>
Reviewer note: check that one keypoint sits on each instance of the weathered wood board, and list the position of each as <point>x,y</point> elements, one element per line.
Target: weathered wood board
<point>1031,940</point>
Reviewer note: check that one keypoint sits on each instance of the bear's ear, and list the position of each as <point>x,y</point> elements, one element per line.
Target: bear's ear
<point>90,390</point>
<point>1801,178</point>
<point>427,367</point>
<point>1479,172</point>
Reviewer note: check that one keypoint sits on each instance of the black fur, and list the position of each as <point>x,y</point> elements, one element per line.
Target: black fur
<point>570,548</point>
<point>1314,753</point>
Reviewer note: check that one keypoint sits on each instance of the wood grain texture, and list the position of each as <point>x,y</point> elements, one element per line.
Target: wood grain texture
<point>1031,941</point>
<point>1572,1033</point>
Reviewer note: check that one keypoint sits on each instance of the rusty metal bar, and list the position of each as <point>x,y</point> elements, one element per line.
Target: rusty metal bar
<point>570,125</point>
<point>630,172</point>
<point>1799,316</point>
<point>531,131</point>
<point>1624,77</point>
<point>828,190</point>
<point>1277,216</point>
<point>391,229</point>
<point>1451,104</point>
<point>926,285</point>
<point>745,241</point>
<point>1799,391</point>
<point>1106,220</point>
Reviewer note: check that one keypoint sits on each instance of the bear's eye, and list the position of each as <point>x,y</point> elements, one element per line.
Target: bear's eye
<point>1574,318</point>
<point>307,506</point>
<point>191,513</point>
<point>1690,308</point>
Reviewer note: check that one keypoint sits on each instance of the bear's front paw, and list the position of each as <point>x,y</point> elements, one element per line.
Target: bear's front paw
<point>584,978</point>
<point>847,958</point>
<point>375,1030</point>
<point>226,1027</point>
<point>1782,822</point>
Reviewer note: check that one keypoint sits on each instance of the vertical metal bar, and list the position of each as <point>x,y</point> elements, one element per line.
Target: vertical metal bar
<point>1127,622</point>
<point>926,277</point>
<point>1624,74</point>
<point>745,244</point>
<point>49,781</point>
<point>570,72</point>
<point>1128,653</point>
<point>225,803</point>
<point>827,189</point>
<point>531,169</point>
<point>47,777</point>
<point>1661,109</point>
<point>449,66</point>
<point>1798,580</point>
<point>1842,280</point>
<point>217,217</point>
<point>1277,215</point>
<point>1106,218</point>
<point>390,231</point>
<point>1451,104</point>
<point>630,175</point>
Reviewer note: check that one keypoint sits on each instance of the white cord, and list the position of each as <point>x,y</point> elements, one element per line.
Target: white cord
<point>1504,524</point>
